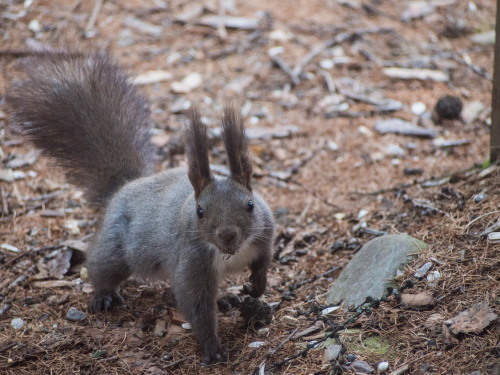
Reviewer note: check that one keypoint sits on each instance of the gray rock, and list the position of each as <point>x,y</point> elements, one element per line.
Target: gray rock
<point>398,126</point>
<point>332,352</point>
<point>372,269</point>
<point>75,315</point>
<point>17,323</point>
<point>362,367</point>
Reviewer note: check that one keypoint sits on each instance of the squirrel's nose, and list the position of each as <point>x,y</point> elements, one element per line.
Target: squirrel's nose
<point>226,234</point>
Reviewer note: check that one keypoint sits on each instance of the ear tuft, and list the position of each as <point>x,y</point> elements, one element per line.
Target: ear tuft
<point>236,144</point>
<point>196,144</point>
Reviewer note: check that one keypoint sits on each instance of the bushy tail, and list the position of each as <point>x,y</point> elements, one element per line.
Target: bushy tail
<point>80,110</point>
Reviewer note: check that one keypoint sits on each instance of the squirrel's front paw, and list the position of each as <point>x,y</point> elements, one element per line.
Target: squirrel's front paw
<point>253,290</point>
<point>105,302</point>
<point>214,353</point>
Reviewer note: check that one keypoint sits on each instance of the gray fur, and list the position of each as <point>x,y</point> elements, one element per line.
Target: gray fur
<point>150,226</point>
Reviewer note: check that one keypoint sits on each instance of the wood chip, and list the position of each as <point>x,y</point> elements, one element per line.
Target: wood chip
<point>420,301</point>
<point>420,74</point>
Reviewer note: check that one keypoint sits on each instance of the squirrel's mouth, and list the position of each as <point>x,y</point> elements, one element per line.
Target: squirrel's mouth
<point>228,251</point>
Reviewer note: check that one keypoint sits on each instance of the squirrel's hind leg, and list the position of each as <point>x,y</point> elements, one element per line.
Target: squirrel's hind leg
<point>107,269</point>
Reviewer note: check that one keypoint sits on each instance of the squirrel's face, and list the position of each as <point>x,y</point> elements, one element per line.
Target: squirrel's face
<point>226,214</point>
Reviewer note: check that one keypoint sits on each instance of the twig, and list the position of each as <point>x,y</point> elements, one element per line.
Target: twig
<point>174,363</point>
<point>238,47</point>
<point>93,18</point>
<point>282,343</point>
<point>292,288</point>
<point>338,39</point>
<point>279,62</point>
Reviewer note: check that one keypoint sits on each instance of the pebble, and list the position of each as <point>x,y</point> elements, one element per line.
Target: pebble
<point>17,323</point>
<point>331,353</point>
<point>395,150</point>
<point>186,326</point>
<point>472,111</point>
<point>75,315</point>
<point>152,76</point>
<point>290,320</point>
<point>256,344</point>
<point>190,82</point>
<point>420,272</point>
<point>382,366</point>
<point>329,310</point>
<point>361,367</point>
<point>480,197</point>
<point>433,276</point>
<point>263,332</point>
<point>351,357</point>
<point>418,108</point>
<point>487,37</point>
<point>6,175</point>
<point>35,26</point>
<point>9,247</point>
<point>494,237</point>
<point>332,146</point>
<point>326,63</point>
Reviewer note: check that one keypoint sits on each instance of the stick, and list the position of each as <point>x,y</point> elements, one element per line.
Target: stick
<point>93,18</point>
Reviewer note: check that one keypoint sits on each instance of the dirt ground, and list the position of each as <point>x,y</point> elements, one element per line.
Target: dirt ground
<point>334,182</point>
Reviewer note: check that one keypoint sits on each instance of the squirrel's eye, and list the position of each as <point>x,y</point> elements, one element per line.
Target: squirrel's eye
<point>199,212</point>
<point>250,206</point>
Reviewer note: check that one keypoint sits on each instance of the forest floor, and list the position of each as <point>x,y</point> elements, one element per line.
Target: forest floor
<point>313,78</point>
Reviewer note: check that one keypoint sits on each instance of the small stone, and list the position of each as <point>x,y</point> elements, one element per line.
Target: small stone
<point>290,320</point>
<point>152,76</point>
<point>494,237</point>
<point>263,332</point>
<point>9,247</point>
<point>6,175</point>
<point>487,37</point>
<point>433,276</point>
<point>75,315</point>
<point>256,344</point>
<point>418,108</point>
<point>351,357</point>
<point>382,366</point>
<point>448,107</point>
<point>190,82</point>
<point>329,310</point>
<point>472,111</point>
<point>180,105</point>
<point>480,197</point>
<point>326,63</point>
<point>17,323</point>
<point>72,226</point>
<point>35,26</point>
<point>422,271</point>
<point>362,367</point>
<point>332,146</point>
<point>331,353</point>
<point>186,326</point>
<point>395,150</point>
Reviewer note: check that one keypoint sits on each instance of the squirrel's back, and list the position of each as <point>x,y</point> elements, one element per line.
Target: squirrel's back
<point>81,110</point>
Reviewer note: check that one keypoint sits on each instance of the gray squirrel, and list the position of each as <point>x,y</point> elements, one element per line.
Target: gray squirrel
<point>185,224</point>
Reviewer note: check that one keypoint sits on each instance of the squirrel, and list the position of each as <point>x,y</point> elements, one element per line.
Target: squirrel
<point>184,224</point>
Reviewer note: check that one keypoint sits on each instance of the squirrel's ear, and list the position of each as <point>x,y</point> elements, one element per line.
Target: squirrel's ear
<point>236,144</point>
<point>196,144</point>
